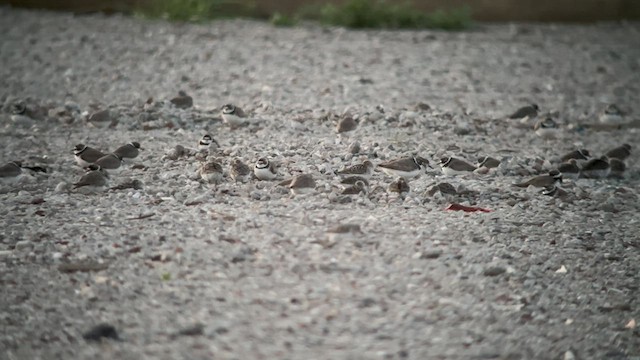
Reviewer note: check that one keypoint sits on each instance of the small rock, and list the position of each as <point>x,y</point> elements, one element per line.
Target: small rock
<point>462,130</point>
<point>422,107</point>
<point>562,270</point>
<point>193,330</point>
<point>568,355</point>
<point>431,254</point>
<point>345,228</point>
<point>23,245</point>
<point>101,331</point>
<point>5,253</point>
<point>82,266</point>
<point>494,271</point>
<point>62,187</point>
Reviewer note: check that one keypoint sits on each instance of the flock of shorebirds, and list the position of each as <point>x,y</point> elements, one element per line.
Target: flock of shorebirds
<point>355,179</point>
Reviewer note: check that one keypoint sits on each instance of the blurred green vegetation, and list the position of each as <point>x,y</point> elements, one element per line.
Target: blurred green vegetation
<point>358,14</point>
<point>196,10</point>
<point>278,19</point>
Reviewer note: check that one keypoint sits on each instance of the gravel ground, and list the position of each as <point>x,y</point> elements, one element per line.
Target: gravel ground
<point>187,270</point>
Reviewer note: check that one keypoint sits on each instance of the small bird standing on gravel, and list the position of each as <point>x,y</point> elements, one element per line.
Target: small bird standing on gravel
<point>265,169</point>
<point>488,162</point>
<point>552,178</point>
<point>525,112</point>
<point>182,101</point>
<point>85,155</point>
<point>569,169</point>
<point>364,170</point>
<point>233,115</point>
<point>211,172</point>
<point>578,155</point>
<point>207,143</point>
<point>399,186</point>
<point>10,171</point>
<point>95,179</point>
<point>617,168</point>
<point>109,162</point>
<point>546,129</point>
<point>611,115</point>
<point>302,184</point>
<point>596,168</point>
<point>351,180</point>
<point>239,171</point>
<point>128,151</point>
<point>621,152</point>
<point>355,189</point>
<point>453,166</point>
<point>407,168</point>
<point>554,191</point>
<point>346,124</point>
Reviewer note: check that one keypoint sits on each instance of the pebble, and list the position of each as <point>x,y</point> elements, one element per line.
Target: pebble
<point>494,271</point>
<point>431,254</point>
<point>101,331</point>
<point>5,253</point>
<point>62,187</point>
<point>23,245</point>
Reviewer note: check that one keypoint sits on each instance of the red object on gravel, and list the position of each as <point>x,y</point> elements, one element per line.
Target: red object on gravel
<point>458,207</point>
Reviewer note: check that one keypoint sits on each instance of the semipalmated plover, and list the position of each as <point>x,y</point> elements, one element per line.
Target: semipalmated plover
<point>182,101</point>
<point>355,189</point>
<point>265,169</point>
<point>569,169</point>
<point>10,171</point>
<point>233,115</point>
<point>554,191</point>
<point>85,155</point>
<point>596,168</point>
<point>525,112</point>
<point>405,167</point>
<point>364,170</point>
<point>211,172</point>
<point>611,115</point>
<point>579,155</point>
<point>351,180</point>
<point>95,179</point>
<point>622,152</point>
<point>239,171</point>
<point>128,151</point>
<point>552,178</point>
<point>109,162</point>
<point>18,108</point>
<point>546,128</point>
<point>19,112</point>
<point>453,166</point>
<point>302,184</point>
<point>488,162</point>
<point>399,186</point>
<point>617,168</point>
<point>207,143</point>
